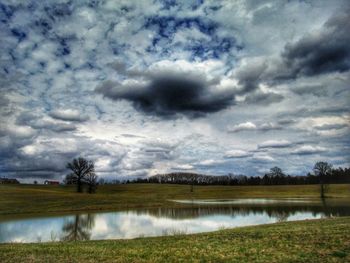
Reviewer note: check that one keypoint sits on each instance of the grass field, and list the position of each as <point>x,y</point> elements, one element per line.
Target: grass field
<point>325,240</point>
<point>39,199</point>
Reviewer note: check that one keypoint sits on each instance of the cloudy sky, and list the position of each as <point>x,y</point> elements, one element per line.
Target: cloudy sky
<point>146,87</point>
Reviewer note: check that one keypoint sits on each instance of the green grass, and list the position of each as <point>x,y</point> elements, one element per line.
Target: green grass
<point>325,240</point>
<point>39,199</point>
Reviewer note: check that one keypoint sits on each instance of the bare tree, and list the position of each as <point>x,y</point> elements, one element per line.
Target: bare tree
<point>323,169</point>
<point>81,168</point>
<point>91,180</point>
<point>276,171</point>
<point>70,179</point>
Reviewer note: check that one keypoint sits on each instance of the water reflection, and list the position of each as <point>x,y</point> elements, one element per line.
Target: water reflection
<point>162,221</point>
<point>79,228</point>
<point>244,201</point>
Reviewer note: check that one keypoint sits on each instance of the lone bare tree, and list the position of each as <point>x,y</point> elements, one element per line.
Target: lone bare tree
<point>322,169</point>
<point>81,169</point>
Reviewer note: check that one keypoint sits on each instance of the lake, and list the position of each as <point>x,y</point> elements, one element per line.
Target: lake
<point>195,216</point>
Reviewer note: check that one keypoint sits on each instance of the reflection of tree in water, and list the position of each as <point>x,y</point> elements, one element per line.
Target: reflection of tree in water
<point>281,216</point>
<point>280,212</point>
<point>79,228</point>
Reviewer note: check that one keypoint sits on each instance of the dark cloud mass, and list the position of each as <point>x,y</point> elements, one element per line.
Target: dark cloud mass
<point>321,52</point>
<point>168,96</point>
<point>318,52</point>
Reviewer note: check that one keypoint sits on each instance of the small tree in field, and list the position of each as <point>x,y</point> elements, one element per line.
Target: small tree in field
<point>81,169</point>
<point>276,171</point>
<point>91,181</point>
<point>323,169</point>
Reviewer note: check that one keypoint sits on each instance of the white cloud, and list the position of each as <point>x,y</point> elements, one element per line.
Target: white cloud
<point>21,131</point>
<point>29,150</point>
<point>68,115</point>
<point>246,126</point>
<point>263,158</point>
<point>309,149</point>
<point>183,167</point>
<point>238,154</point>
<point>210,162</point>
<point>275,144</point>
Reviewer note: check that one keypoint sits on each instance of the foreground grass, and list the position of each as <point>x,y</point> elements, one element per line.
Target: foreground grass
<point>38,199</point>
<point>325,240</point>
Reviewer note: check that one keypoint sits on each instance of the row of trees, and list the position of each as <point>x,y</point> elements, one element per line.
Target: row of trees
<point>83,173</point>
<point>322,172</point>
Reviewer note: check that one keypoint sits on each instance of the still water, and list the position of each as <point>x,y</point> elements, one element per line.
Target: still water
<point>196,216</point>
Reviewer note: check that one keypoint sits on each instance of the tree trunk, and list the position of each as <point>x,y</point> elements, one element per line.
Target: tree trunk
<point>79,190</point>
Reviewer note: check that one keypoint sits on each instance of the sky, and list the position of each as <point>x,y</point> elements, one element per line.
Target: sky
<point>149,87</point>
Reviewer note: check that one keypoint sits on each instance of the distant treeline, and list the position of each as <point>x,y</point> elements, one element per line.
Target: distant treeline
<point>275,177</point>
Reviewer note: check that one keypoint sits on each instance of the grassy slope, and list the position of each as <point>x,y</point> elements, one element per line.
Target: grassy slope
<point>325,240</point>
<point>25,199</point>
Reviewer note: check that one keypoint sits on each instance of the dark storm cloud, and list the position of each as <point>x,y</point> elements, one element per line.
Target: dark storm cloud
<point>316,53</point>
<point>171,95</point>
<point>18,164</point>
<point>21,159</point>
<point>24,160</point>
<point>324,52</point>
<point>42,165</point>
